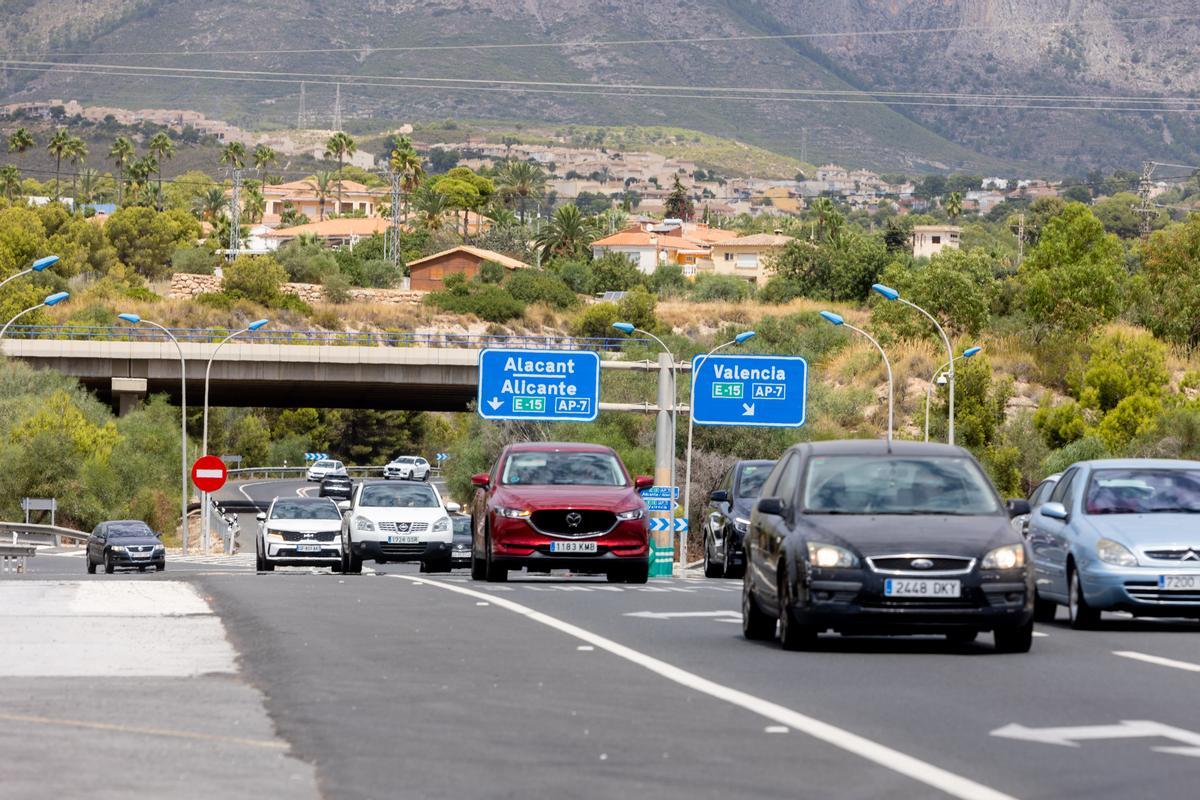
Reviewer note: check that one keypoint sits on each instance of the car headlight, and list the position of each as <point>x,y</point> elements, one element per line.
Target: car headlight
<point>1111,552</point>
<point>830,556</point>
<point>741,525</point>
<point>117,548</point>
<point>636,513</point>
<point>158,548</point>
<point>1011,556</point>
<point>363,524</point>
<point>276,535</point>
<point>514,513</point>
<point>442,525</point>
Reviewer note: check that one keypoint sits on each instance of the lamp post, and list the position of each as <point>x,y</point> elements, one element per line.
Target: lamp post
<point>940,379</point>
<point>687,475</point>
<point>629,329</point>
<point>253,326</point>
<point>37,266</point>
<point>134,319</point>
<point>51,300</point>
<point>836,319</point>
<point>889,293</point>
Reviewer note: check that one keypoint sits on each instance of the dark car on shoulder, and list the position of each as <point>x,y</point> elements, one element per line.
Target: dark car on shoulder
<point>336,486</point>
<point>727,517</point>
<point>124,544</point>
<point>460,547</point>
<point>861,537</point>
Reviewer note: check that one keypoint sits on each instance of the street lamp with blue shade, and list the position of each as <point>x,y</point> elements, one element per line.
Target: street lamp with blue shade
<point>51,300</point>
<point>970,351</point>
<point>56,298</point>
<point>132,319</point>
<point>742,337</point>
<point>258,323</point>
<point>886,292</point>
<point>43,263</point>
<point>939,378</point>
<point>836,319</point>
<point>626,328</point>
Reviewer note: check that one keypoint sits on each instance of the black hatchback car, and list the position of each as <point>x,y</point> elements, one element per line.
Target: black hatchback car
<point>125,544</point>
<point>727,517</point>
<point>863,538</point>
<point>336,486</point>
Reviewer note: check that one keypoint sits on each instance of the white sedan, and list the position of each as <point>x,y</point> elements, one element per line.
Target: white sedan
<point>324,468</point>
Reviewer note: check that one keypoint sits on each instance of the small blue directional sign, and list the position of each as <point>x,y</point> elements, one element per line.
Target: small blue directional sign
<point>442,456</point>
<point>660,524</point>
<point>660,504</point>
<point>661,491</point>
<point>758,391</point>
<point>553,385</point>
<point>315,456</point>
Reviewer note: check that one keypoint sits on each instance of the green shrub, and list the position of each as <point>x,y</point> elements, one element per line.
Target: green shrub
<point>780,289</point>
<point>1060,425</point>
<point>218,300</point>
<point>532,286</point>
<point>336,288</point>
<point>1133,416</point>
<point>1085,449</point>
<point>637,307</point>
<point>576,274</point>
<point>194,261</point>
<point>1123,363</point>
<point>614,272</point>
<point>373,273</point>
<point>256,278</point>
<point>491,272</point>
<point>729,288</point>
<point>487,301</point>
<point>668,281</point>
<point>597,320</point>
<point>306,262</point>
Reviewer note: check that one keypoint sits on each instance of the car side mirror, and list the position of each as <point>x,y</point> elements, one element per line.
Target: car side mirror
<point>481,480</point>
<point>1054,511</point>
<point>719,496</point>
<point>261,516</point>
<point>343,506</point>
<point>770,505</point>
<point>453,508</point>
<point>643,482</point>
<point>157,535</point>
<point>1017,507</point>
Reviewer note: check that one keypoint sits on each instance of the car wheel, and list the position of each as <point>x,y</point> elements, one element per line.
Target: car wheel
<point>711,570</point>
<point>258,558</point>
<point>160,566</point>
<point>617,575</point>
<point>141,569</point>
<point>792,634</point>
<point>638,574</point>
<point>1014,639</point>
<point>756,625</point>
<point>1043,610</point>
<point>962,637</point>
<point>425,477</point>
<point>729,568</point>
<point>108,564</point>
<point>478,567</point>
<point>353,563</point>
<point>1081,615</point>
<point>91,565</point>
<point>493,572</point>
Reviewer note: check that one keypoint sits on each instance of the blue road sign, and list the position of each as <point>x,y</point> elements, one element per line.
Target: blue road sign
<point>758,391</point>
<point>442,456</point>
<point>660,504</point>
<point>660,491</point>
<point>659,524</point>
<point>554,385</point>
<point>315,456</point>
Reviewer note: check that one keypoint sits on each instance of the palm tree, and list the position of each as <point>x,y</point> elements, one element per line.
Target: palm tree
<point>210,205</point>
<point>77,154</point>
<point>405,162</point>
<point>954,206</point>
<point>521,180</point>
<point>568,233</point>
<point>339,146</point>
<point>89,185</point>
<point>122,152</point>
<point>139,173</point>
<point>254,205</point>
<point>825,209</point>
<point>10,181</point>
<point>500,216</point>
<point>163,149</point>
<point>234,154</point>
<point>431,207</point>
<point>264,157</point>
<point>322,183</point>
<point>20,140</point>
<point>60,148</point>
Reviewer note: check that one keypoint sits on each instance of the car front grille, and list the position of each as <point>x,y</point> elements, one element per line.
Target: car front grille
<point>568,522</point>
<point>140,548</point>
<point>402,549</point>
<point>1175,554</point>
<point>404,527</point>
<point>319,536</point>
<point>1148,592</point>
<point>903,564</point>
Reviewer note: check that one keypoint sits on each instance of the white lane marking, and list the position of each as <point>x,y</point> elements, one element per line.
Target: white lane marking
<point>1186,666</point>
<point>585,648</point>
<point>482,603</point>
<point>902,763</point>
<point>775,729</point>
<point>684,614</point>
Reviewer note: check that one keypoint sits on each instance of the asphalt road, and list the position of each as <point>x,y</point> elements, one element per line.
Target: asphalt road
<point>402,685</point>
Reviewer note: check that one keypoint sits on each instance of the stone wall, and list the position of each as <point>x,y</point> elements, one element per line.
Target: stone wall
<point>186,286</point>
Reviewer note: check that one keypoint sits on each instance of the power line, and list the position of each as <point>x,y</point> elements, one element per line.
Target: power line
<point>366,49</point>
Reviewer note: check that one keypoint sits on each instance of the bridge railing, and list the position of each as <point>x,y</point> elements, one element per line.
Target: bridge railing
<point>467,341</point>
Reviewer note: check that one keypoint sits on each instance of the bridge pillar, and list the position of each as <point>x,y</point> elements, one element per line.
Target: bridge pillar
<point>127,394</point>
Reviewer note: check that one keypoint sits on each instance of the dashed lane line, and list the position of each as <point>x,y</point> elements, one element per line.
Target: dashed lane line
<point>1186,666</point>
<point>921,771</point>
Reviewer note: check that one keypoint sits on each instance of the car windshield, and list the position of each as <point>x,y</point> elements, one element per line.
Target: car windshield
<point>403,460</point>
<point>752,477</point>
<point>563,468</point>
<point>299,509</point>
<point>326,464</point>
<point>129,529</point>
<point>462,525</point>
<point>382,495</point>
<point>897,485</point>
<point>1143,491</point>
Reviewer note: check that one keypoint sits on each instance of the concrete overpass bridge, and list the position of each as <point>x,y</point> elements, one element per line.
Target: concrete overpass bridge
<point>282,369</point>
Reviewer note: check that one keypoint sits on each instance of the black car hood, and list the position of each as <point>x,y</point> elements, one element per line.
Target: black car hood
<point>742,506</point>
<point>876,535</point>
<point>125,541</point>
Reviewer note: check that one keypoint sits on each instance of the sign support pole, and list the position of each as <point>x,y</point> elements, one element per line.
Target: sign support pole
<point>664,462</point>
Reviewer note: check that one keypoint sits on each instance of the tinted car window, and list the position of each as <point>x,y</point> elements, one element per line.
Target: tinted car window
<point>298,509</point>
<point>550,468</point>
<point>1143,491</point>
<point>462,525</point>
<point>785,486</point>
<point>750,482</point>
<point>382,495</point>
<point>897,485</point>
<point>1063,487</point>
<point>117,530</point>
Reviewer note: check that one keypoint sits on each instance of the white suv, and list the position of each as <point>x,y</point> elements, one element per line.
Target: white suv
<point>324,468</point>
<point>412,468</point>
<point>299,531</point>
<point>388,522</point>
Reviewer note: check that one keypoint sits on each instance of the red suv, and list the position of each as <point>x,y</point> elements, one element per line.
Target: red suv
<point>560,506</point>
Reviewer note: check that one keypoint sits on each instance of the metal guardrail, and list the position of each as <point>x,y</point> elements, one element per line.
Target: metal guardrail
<point>40,534</point>
<point>283,472</point>
<point>14,557</point>
<point>467,341</point>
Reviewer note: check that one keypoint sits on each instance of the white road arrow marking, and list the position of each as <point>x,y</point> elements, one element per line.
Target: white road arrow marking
<point>683,614</point>
<point>748,409</point>
<point>495,403</point>
<point>1127,729</point>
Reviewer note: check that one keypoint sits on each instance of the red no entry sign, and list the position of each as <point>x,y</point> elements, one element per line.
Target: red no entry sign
<point>209,473</point>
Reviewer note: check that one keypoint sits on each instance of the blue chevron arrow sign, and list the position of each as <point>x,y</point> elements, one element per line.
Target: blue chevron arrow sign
<point>660,524</point>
